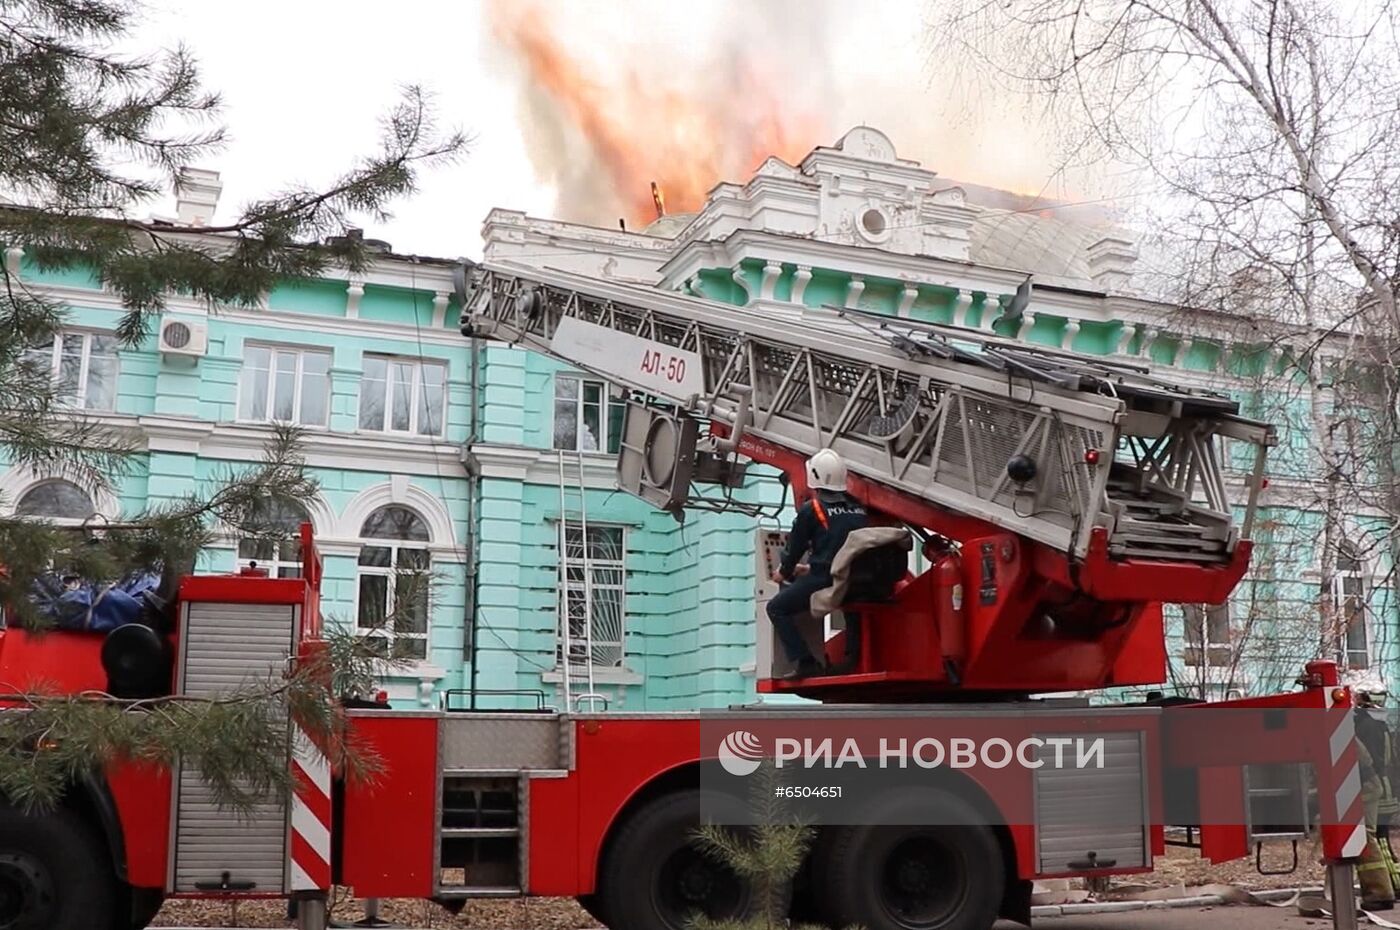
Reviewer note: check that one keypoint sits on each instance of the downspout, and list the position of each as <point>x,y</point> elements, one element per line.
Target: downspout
<point>469,462</point>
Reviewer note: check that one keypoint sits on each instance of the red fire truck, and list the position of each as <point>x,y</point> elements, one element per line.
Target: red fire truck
<point>1059,500</point>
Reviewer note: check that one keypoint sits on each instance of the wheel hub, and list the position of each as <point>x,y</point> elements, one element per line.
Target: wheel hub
<point>690,883</point>
<point>696,882</point>
<point>923,882</point>
<point>914,875</point>
<point>27,899</point>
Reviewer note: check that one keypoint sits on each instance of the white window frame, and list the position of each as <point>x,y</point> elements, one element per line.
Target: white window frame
<point>84,366</point>
<point>389,572</point>
<point>1201,617</point>
<point>277,563</point>
<point>56,521</point>
<point>605,414</point>
<point>415,395</point>
<point>1339,609</point>
<point>297,384</point>
<point>578,595</point>
<point>292,564</point>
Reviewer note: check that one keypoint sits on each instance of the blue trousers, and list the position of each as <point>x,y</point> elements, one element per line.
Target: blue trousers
<point>788,606</point>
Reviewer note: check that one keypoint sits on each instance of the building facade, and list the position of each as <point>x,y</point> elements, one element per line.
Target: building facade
<point>856,226</point>
<point>493,466</point>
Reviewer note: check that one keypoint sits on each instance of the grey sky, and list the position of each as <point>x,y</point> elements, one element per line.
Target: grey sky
<point>304,80</point>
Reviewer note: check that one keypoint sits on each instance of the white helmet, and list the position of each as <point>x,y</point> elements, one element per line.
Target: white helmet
<point>826,471</point>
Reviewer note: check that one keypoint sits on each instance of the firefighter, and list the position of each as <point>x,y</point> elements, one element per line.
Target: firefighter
<point>1376,871</point>
<point>818,532</point>
<point>1373,731</point>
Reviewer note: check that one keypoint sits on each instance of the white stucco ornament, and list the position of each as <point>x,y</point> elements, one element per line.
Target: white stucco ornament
<point>864,142</point>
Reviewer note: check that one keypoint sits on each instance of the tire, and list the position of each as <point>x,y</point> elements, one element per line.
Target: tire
<point>54,873</point>
<point>594,906</point>
<point>145,905</point>
<point>655,878</point>
<point>943,871</point>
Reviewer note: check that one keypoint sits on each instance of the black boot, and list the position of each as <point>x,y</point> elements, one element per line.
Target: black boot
<point>807,667</point>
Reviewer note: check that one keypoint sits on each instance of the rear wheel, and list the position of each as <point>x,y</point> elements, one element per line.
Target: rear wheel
<point>594,907</point>
<point>655,877</point>
<point>54,873</point>
<point>943,872</point>
<point>145,905</point>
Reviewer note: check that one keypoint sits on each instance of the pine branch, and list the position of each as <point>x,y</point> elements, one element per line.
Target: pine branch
<point>239,743</point>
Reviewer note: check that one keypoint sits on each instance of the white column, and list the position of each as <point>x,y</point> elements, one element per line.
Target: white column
<point>1182,348</point>
<point>440,309</point>
<point>1227,352</point>
<point>1027,322</point>
<point>991,309</point>
<point>906,300</point>
<point>853,291</point>
<point>737,274</point>
<point>1071,330</point>
<point>771,272</point>
<point>12,258</point>
<point>1149,336</point>
<point>692,285</point>
<point>800,279</point>
<point>1125,338</point>
<point>960,305</point>
<point>354,290</point>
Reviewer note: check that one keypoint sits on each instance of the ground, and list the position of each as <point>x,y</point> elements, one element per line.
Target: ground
<point>1204,918</point>
<point>1178,867</point>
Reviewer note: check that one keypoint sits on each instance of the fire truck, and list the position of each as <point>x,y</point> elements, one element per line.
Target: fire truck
<point>1058,500</point>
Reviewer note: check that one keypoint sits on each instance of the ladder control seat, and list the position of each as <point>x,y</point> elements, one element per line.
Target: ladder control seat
<point>875,574</point>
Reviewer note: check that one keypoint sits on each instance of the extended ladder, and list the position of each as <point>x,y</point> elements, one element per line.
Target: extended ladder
<point>568,608</point>
<point>932,411</point>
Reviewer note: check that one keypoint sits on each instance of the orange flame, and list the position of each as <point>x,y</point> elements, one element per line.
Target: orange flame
<point>649,127</point>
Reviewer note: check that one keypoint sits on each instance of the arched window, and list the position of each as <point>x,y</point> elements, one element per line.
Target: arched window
<point>1349,605</point>
<point>58,501</point>
<point>394,575</point>
<point>281,557</point>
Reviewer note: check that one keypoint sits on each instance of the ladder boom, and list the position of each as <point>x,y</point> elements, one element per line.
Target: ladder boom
<point>932,412</point>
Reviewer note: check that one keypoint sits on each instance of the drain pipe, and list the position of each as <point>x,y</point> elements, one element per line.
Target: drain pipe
<point>471,615</point>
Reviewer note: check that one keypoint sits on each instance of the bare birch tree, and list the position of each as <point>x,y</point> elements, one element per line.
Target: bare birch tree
<point>1265,139</point>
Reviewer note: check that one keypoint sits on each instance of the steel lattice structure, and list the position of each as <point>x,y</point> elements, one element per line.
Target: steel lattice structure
<point>931,411</point>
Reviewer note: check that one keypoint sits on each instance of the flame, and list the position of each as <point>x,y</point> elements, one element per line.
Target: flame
<point>686,132</point>
<point>658,200</point>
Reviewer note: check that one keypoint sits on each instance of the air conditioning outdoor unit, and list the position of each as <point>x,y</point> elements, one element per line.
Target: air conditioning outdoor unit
<point>184,337</point>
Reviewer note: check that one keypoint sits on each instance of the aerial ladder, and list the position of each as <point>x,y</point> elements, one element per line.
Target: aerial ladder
<point>1061,497</point>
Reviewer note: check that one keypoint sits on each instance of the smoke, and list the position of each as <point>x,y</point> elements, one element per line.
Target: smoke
<point>614,96</point>
<point>604,115</point>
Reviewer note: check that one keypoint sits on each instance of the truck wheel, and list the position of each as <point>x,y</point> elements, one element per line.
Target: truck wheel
<point>54,873</point>
<point>655,878</point>
<point>594,907</point>
<point>145,905</point>
<point>943,874</point>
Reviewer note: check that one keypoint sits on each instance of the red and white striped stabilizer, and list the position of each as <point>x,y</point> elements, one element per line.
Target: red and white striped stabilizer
<point>1339,788</point>
<point>309,849</point>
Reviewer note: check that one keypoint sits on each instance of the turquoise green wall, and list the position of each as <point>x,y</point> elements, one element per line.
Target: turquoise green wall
<point>205,390</point>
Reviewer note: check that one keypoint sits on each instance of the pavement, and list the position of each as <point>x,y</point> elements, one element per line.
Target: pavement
<point>1235,917</point>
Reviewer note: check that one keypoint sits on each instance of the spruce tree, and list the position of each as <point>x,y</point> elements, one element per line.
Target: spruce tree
<point>88,137</point>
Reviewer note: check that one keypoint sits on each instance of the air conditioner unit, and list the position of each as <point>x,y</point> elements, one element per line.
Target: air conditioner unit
<point>184,337</point>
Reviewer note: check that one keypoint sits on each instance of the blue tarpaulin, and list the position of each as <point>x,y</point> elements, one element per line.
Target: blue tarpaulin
<point>81,605</point>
